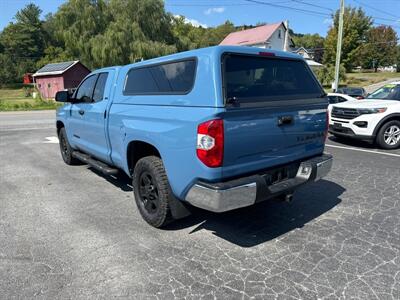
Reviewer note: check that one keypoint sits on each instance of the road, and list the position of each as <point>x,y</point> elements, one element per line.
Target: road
<point>69,232</point>
<point>371,88</point>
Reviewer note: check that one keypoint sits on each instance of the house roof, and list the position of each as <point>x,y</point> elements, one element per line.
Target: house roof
<point>313,63</point>
<point>55,68</point>
<point>251,36</point>
<point>296,50</point>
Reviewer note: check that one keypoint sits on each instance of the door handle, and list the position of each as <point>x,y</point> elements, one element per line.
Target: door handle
<point>81,112</point>
<point>285,120</point>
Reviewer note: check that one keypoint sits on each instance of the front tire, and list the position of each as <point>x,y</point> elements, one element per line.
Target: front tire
<point>152,191</point>
<point>65,148</point>
<point>389,135</point>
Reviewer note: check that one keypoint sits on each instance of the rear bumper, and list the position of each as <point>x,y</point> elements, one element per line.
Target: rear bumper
<point>245,191</point>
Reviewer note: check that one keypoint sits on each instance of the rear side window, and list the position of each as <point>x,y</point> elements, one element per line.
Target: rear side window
<point>99,88</point>
<point>170,78</point>
<point>259,79</point>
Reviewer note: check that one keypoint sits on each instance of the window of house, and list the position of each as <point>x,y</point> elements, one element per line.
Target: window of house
<point>49,85</point>
<point>169,78</point>
<point>280,34</point>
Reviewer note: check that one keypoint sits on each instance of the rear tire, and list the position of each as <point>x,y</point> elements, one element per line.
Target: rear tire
<point>65,148</point>
<point>388,136</point>
<point>152,192</point>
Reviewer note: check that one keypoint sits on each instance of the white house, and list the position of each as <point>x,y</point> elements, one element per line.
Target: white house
<point>308,55</point>
<point>271,36</point>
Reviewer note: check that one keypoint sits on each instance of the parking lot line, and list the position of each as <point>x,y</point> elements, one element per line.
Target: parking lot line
<point>362,150</point>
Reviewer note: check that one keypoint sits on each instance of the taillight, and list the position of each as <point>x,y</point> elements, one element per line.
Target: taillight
<point>266,53</point>
<point>210,143</point>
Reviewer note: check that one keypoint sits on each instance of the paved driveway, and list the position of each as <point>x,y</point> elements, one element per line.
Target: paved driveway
<point>69,232</point>
<point>371,88</point>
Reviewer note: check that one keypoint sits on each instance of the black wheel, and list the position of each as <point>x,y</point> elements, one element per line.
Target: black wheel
<point>389,135</point>
<point>65,148</point>
<point>152,191</point>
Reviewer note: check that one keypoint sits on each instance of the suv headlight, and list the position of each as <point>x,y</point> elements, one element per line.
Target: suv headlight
<point>365,111</point>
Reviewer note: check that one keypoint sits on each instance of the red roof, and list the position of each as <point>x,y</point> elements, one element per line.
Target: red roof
<point>251,36</point>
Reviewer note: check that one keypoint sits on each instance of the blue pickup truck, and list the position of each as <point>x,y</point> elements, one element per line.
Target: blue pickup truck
<point>218,128</point>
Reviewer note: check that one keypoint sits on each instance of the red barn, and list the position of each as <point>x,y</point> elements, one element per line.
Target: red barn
<point>28,78</point>
<point>59,76</point>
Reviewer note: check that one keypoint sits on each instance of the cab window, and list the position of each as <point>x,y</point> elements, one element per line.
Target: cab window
<point>85,91</point>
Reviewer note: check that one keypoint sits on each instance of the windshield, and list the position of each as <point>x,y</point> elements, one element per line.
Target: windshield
<point>387,92</point>
<point>249,78</point>
<point>351,91</point>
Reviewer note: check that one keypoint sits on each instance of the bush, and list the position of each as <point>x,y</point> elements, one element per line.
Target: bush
<point>38,104</point>
<point>326,74</point>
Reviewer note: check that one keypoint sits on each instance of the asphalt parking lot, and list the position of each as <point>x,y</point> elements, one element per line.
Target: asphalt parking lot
<point>69,232</point>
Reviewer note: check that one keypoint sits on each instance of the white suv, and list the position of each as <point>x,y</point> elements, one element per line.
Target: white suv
<point>377,118</point>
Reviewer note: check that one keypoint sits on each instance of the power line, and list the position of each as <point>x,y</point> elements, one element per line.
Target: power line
<point>381,24</point>
<point>385,19</point>
<point>306,11</point>
<point>377,9</point>
<point>275,4</point>
<point>313,5</point>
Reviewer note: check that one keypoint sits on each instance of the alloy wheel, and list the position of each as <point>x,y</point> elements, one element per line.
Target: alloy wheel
<point>148,192</point>
<point>392,135</point>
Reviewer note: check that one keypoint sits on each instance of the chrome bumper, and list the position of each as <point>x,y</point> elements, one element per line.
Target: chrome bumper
<point>220,197</point>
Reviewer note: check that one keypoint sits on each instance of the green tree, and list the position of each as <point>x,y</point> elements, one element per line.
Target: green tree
<point>326,74</point>
<point>192,37</point>
<point>355,27</point>
<point>76,23</point>
<point>398,58</point>
<point>23,41</point>
<point>379,48</point>
<point>8,72</point>
<point>102,33</point>
<point>314,42</point>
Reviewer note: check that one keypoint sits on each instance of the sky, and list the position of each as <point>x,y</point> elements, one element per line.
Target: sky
<point>304,16</point>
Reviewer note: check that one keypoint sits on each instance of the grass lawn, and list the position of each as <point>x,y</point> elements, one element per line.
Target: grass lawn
<point>364,79</point>
<point>16,99</point>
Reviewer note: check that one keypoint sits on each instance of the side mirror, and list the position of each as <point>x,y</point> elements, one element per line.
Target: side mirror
<point>63,96</point>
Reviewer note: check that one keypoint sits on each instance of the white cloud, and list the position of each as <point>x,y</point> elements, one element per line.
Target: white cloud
<point>214,10</point>
<point>328,21</point>
<point>194,22</point>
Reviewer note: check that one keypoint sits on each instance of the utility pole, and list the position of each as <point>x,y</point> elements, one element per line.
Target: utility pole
<point>339,46</point>
<point>287,38</point>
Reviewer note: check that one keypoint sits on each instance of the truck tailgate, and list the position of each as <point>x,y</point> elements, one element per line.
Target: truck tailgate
<point>276,112</point>
<point>254,139</point>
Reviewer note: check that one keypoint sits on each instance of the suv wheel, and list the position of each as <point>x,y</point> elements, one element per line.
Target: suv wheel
<point>65,148</point>
<point>152,191</point>
<point>389,135</point>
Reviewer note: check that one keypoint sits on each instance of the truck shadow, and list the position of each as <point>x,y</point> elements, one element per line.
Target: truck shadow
<point>248,227</point>
<point>121,180</point>
<point>257,224</point>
